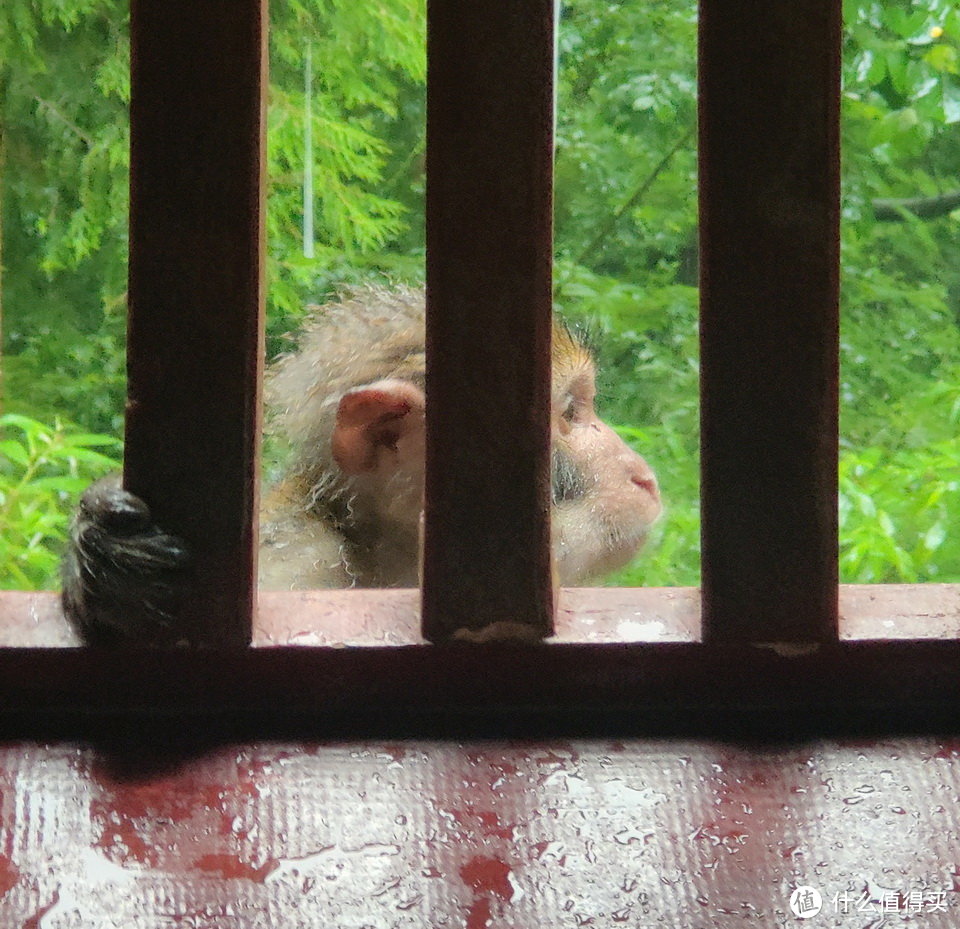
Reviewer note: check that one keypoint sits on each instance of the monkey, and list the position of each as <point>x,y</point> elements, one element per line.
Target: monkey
<point>350,403</point>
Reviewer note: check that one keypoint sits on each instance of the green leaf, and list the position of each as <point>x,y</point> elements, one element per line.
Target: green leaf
<point>942,58</point>
<point>15,452</point>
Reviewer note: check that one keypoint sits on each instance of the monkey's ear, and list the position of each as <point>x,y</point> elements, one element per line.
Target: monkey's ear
<point>375,418</point>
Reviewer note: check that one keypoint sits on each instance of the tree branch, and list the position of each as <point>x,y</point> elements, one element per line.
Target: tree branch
<point>72,126</point>
<point>892,209</point>
<point>633,199</point>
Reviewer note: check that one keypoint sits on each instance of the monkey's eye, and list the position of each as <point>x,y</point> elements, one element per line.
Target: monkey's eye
<point>570,411</point>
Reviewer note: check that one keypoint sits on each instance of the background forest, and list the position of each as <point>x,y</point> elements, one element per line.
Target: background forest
<point>625,246</point>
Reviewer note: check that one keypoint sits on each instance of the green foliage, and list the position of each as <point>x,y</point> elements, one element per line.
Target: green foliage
<point>80,372</point>
<point>626,238</point>
<point>64,90</point>
<point>627,96</point>
<point>900,340</point>
<point>355,110</point>
<point>898,514</point>
<point>42,472</point>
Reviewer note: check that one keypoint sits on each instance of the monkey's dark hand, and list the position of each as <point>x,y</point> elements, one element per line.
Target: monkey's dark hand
<point>123,577</point>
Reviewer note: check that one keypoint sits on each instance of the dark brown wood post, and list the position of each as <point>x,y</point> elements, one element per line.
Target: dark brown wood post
<point>769,169</point>
<point>196,289</point>
<point>489,251</point>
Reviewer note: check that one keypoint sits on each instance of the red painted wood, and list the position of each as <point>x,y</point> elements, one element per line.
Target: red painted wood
<point>399,835</point>
<point>621,659</point>
<point>196,255</point>
<point>587,615</point>
<point>489,251</point>
<point>769,251</point>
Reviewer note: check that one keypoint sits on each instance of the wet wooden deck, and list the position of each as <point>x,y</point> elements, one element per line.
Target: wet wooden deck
<point>155,825</point>
<point>601,833</point>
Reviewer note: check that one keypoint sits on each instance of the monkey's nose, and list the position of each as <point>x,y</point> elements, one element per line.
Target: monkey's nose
<point>647,483</point>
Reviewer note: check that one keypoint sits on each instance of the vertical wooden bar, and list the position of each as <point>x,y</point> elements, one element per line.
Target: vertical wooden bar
<point>769,169</point>
<point>198,70</point>
<point>489,251</point>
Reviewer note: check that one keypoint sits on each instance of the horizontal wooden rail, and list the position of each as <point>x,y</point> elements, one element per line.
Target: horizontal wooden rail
<point>620,656</point>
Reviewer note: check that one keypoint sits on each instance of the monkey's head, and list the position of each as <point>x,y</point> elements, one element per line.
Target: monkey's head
<point>351,401</point>
<point>605,496</point>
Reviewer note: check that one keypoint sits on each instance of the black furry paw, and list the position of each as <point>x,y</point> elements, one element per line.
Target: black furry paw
<point>124,578</point>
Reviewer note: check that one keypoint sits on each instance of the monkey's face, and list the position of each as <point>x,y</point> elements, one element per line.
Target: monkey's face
<point>605,496</point>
